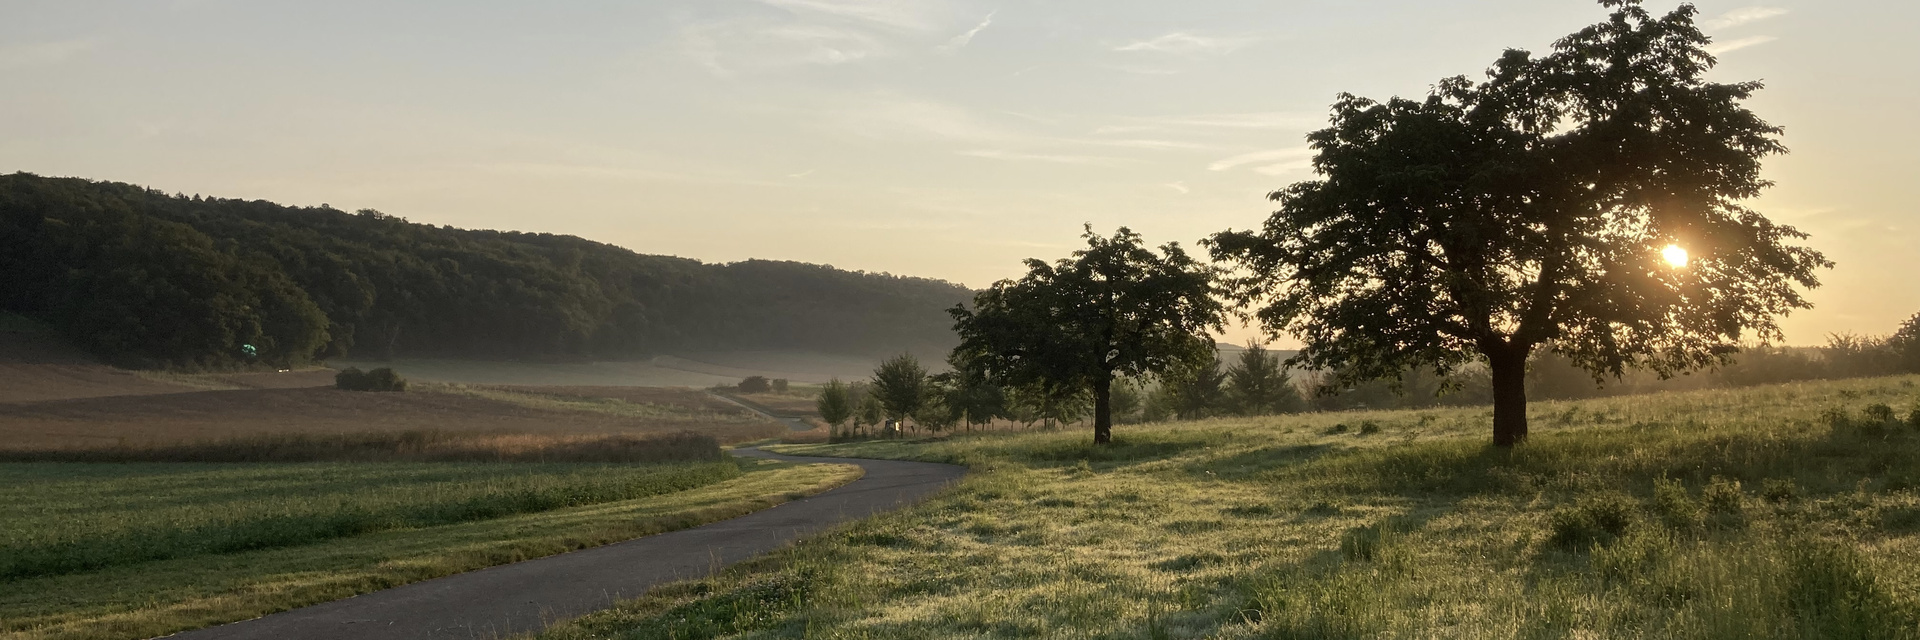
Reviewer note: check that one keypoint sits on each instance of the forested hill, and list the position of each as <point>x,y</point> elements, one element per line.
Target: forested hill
<point>143,278</point>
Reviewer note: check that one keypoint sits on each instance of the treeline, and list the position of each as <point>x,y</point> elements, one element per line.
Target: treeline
<point>146,279</point>
<point>1256,382</point>
<point>1551,376</point>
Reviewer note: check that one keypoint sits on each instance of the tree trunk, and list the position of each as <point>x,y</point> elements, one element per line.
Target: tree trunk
<point>1103,410</point>
<point>1509,367</point>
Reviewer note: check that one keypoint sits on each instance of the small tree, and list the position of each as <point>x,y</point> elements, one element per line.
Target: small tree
<point>900,384</point>
<point>1905,344</point>
<point>1258,385</point>
<point>970,395</point>
<point>779,385</point>
<point>1586,200</point>
<point>835,405</point>
<point>1115,308</point>
<point>754,384</point>
<point>1197,392</point>
<point>870,413</point>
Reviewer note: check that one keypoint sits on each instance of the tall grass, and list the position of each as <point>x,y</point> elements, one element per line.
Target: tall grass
<point>62,518</point>
<point>398,446</point>
<point>1790,511</point>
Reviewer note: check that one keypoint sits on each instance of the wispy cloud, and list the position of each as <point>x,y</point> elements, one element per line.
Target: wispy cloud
<point>1294,157</point>
<point>35,54</point>
<point>887,115</point>
<point>961,41</point>
<point>1270,120</point>
<point>1180,186</point>
<point>999,154</point>
<point>886,13</point>
<point>1723,48</point>
<point>729,48</point>
<point>1742,16</point>
<point>1183,43</point>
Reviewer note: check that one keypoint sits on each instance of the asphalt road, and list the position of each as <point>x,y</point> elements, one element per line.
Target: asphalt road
<point>527,596</point>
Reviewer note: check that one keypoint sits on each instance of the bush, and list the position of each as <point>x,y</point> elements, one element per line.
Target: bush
<point>1595,519</point>
<point>1675,508</point>
<point>779,385</point>
<point>1779,490</point>
<point>755,384</point>
<point>381,379</point>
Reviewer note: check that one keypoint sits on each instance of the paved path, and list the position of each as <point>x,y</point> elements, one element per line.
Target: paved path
<point>526,596</point>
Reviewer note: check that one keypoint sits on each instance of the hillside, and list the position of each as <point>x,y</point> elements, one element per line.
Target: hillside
<point>146,279</point>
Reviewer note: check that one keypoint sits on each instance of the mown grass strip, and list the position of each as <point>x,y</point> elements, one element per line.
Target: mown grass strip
<point>185,510</point>
<point>167,596</point>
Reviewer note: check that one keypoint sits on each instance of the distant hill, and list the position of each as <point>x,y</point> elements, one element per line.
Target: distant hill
<point>141,278</point>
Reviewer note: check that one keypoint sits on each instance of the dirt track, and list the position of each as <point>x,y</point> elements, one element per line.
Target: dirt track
<point>526,596</point>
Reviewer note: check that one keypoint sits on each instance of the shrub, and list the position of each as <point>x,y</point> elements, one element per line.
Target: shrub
<point>1369,428</point>
<point>381,379</point>
<point>1594,519</point>
<point>1779,490</point>
<point>754,384</point>
<point>1336,429</point>
<point>779,385</point>
<point>1880,413</point>
<point>1675,508</point>
<point>1723,496</point>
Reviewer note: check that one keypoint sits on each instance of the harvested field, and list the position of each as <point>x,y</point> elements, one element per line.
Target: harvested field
<point>212,415</point>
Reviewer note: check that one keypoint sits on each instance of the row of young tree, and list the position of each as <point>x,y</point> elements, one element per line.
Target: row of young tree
<point>904,392</point>
<point>146,279</point>
<point>1585,203</point>
<point>1259,383</point>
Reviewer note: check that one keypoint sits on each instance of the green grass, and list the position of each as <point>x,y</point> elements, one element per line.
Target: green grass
<point>1788,511</point>
<point>61,518</point>
<point>53,506</point>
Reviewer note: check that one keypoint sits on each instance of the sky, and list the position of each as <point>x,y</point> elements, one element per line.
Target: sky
<point>943,139</point>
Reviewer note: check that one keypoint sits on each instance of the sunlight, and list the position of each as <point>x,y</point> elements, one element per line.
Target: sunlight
<point>1676,256</point>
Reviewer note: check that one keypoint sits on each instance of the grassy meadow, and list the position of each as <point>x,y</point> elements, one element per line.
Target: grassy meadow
<point>1789,511</point>
<point>136,550</point>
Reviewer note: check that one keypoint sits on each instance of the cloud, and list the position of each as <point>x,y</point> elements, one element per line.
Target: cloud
<point>802,174</point>
<point>1723,48</point>
<point>728,48</point>
<point>997,154</point>
<point>35,54</point>
<point>884,13</point>
<point>1146,144</point>
<point>1742,16</point>
<point>1269,120</point>
<point>889,116</point>
<point>1183,43</point>
<point>1294,157</point>
<point>1180,186</point>
<point>961,41</point>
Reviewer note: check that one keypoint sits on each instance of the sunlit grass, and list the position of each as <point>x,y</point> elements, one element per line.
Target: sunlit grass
<point>1775,512</point>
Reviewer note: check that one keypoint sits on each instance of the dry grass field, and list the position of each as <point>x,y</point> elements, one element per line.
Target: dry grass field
<point>209,415</point>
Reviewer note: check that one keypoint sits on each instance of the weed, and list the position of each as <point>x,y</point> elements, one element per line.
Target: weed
<point>1675,508</point>
<point>1596,519</point>
<point>1779,490</point>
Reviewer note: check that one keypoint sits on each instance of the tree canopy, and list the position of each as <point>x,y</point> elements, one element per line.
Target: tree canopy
<point>1115,308</point>
<point>149,279</point>
<point>1531,210</point>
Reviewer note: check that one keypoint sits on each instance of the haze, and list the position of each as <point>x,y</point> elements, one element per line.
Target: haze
<point>938,139</point>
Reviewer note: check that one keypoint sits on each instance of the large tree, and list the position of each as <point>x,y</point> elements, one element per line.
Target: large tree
<point>1585,201</point>
<point>1114,308</point>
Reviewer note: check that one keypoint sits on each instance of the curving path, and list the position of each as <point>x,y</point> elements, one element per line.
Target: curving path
<point>527,596</point>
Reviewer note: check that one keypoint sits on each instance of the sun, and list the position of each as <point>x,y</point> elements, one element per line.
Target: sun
<point>1675,255</point>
